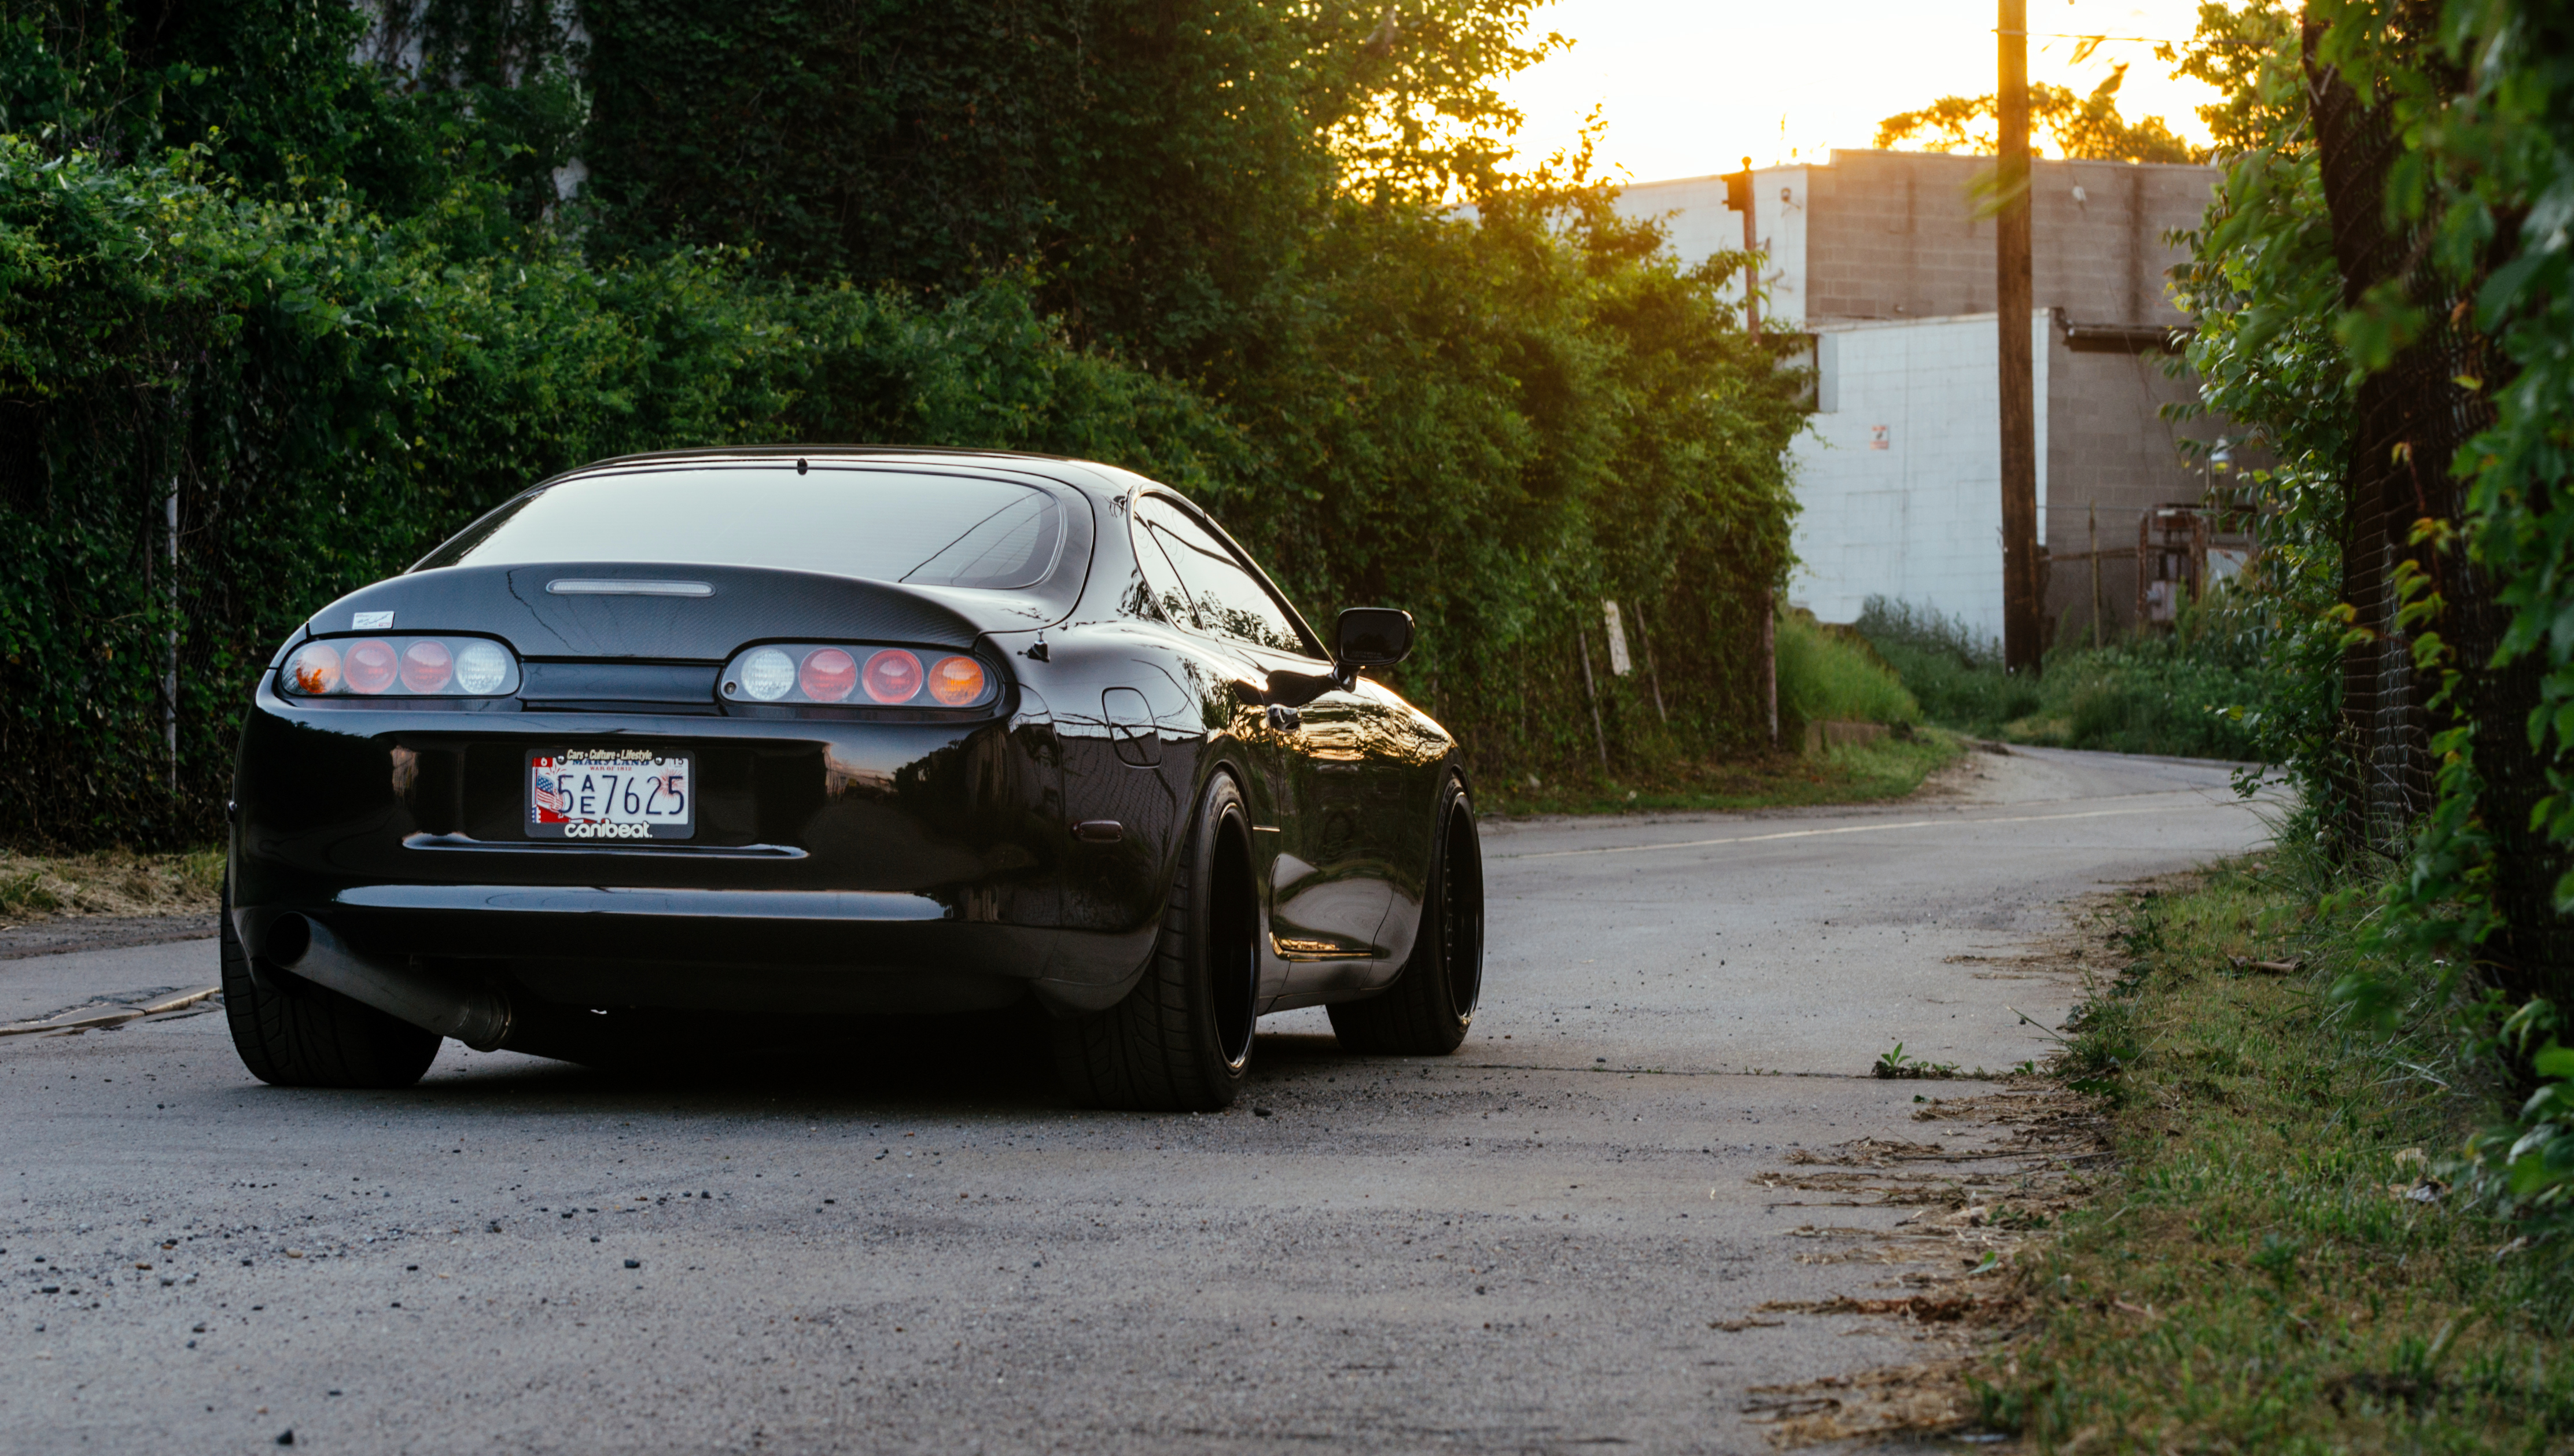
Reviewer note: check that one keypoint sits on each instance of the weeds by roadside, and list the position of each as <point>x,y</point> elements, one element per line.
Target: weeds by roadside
<point>1829,673</point>
<point>2279,1266</point>
<point>109,882</point>
<point>2179,694</point>
<point>1845,774</point>
<point>1901,1065</point>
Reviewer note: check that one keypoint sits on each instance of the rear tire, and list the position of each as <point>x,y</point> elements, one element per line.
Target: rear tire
<point>1430,1006</point>
<point>305,1035</point>
<point>1181,1039</point>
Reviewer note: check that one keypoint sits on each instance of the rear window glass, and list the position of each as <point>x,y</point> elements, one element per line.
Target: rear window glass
<point>931,531</point>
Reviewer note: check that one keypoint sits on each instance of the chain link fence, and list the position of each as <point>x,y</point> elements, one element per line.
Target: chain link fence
<point>2411,420</point>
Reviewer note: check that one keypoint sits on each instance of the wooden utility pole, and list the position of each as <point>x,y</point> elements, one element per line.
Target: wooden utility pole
<point>1738,196</point>
<point>2093,555</point>
<point>1750,244</point>
<point>2015,303</point>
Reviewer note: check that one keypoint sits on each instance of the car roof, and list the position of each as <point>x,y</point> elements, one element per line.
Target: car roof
<point>718,454</point>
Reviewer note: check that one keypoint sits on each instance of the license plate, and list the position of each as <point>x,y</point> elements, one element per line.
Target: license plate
<point>611,793</point>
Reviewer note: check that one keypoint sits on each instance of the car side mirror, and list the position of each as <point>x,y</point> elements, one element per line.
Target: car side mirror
<point>1372,637</point>
<point>1364,637</point>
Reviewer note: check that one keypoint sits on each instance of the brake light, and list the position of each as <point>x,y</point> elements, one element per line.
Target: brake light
<point>830,674</point>
<point>400,666</point>
<point>893,675</point>
<point>369,667</point>
<point>427,666</point>
<point>956,681</point>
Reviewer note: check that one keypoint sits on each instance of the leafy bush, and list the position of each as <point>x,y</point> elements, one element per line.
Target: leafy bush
<point>328,395</point>
<point>2148,697</point>
<point>1826,676</point>
<point>1957,675</point>
<point>333,350</point>
<point>2193,692</point>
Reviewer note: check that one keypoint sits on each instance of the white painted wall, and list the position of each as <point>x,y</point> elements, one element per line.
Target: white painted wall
<point>1693,210</point>
<point>1779,211</point>
<point>1899,478</point>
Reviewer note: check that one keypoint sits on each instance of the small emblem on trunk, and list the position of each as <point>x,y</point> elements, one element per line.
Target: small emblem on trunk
<point>370,620</point>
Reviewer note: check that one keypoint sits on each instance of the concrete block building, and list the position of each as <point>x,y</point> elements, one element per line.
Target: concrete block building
<point>1880,258</point>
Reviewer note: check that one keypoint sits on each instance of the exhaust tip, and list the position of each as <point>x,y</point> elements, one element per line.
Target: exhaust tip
<point>483,1022</point>
<point>289,937</point>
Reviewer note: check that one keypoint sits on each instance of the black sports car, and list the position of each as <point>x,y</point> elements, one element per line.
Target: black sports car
<point>840,730</point>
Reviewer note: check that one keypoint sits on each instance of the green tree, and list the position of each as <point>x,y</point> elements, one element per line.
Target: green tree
<point>2249,55</point>
<point>2087,127</point>
<point>270,89</point>
<point>1161,164</point>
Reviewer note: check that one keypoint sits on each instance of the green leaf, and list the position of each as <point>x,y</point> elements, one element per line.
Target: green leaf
<point>2555,1061</point>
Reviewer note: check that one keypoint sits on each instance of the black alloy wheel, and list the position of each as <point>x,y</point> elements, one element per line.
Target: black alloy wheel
<point>1181,1039</point>
<point>293,1033</point>
<point>1426,1011</point>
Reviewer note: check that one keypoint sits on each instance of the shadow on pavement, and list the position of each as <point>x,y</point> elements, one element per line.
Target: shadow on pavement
<point>983,1062</point>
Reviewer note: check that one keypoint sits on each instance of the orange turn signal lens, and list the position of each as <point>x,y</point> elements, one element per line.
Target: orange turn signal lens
<point>315,670</point>
<point>956,681</point>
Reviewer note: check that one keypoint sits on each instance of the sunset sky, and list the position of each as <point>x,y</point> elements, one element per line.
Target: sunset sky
<point>1688,87</point>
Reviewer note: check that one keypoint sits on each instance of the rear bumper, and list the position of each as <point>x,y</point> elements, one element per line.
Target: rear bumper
<point>766,952</point>
<point>837,867</point>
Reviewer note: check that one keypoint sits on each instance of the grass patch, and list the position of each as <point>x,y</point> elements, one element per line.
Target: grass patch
<point>1831,675</point>
<point>109,882</point>
<point>2274,1267</point>
<point>1957,675</point>
<point>1891,767</point>
<point>2167,693</point>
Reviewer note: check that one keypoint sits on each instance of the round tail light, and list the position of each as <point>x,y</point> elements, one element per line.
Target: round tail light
<point>481,666</point>
<point>427,666</point>
<point>893,675</point>
<point>369,667</point>
<point>314,670</point>
<point>830,674</point>
<point>768,673</point>
<point>956,681</point>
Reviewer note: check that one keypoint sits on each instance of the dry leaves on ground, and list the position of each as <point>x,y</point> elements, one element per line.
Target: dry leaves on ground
<point>108,883</point>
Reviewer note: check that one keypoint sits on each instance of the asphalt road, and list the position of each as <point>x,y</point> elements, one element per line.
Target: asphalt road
<point>908,1242</point>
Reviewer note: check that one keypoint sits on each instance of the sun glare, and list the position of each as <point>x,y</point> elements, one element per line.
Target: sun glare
<point>1688,88</point>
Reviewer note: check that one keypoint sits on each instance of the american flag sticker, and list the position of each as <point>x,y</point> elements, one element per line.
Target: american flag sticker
<point>549,803</point>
